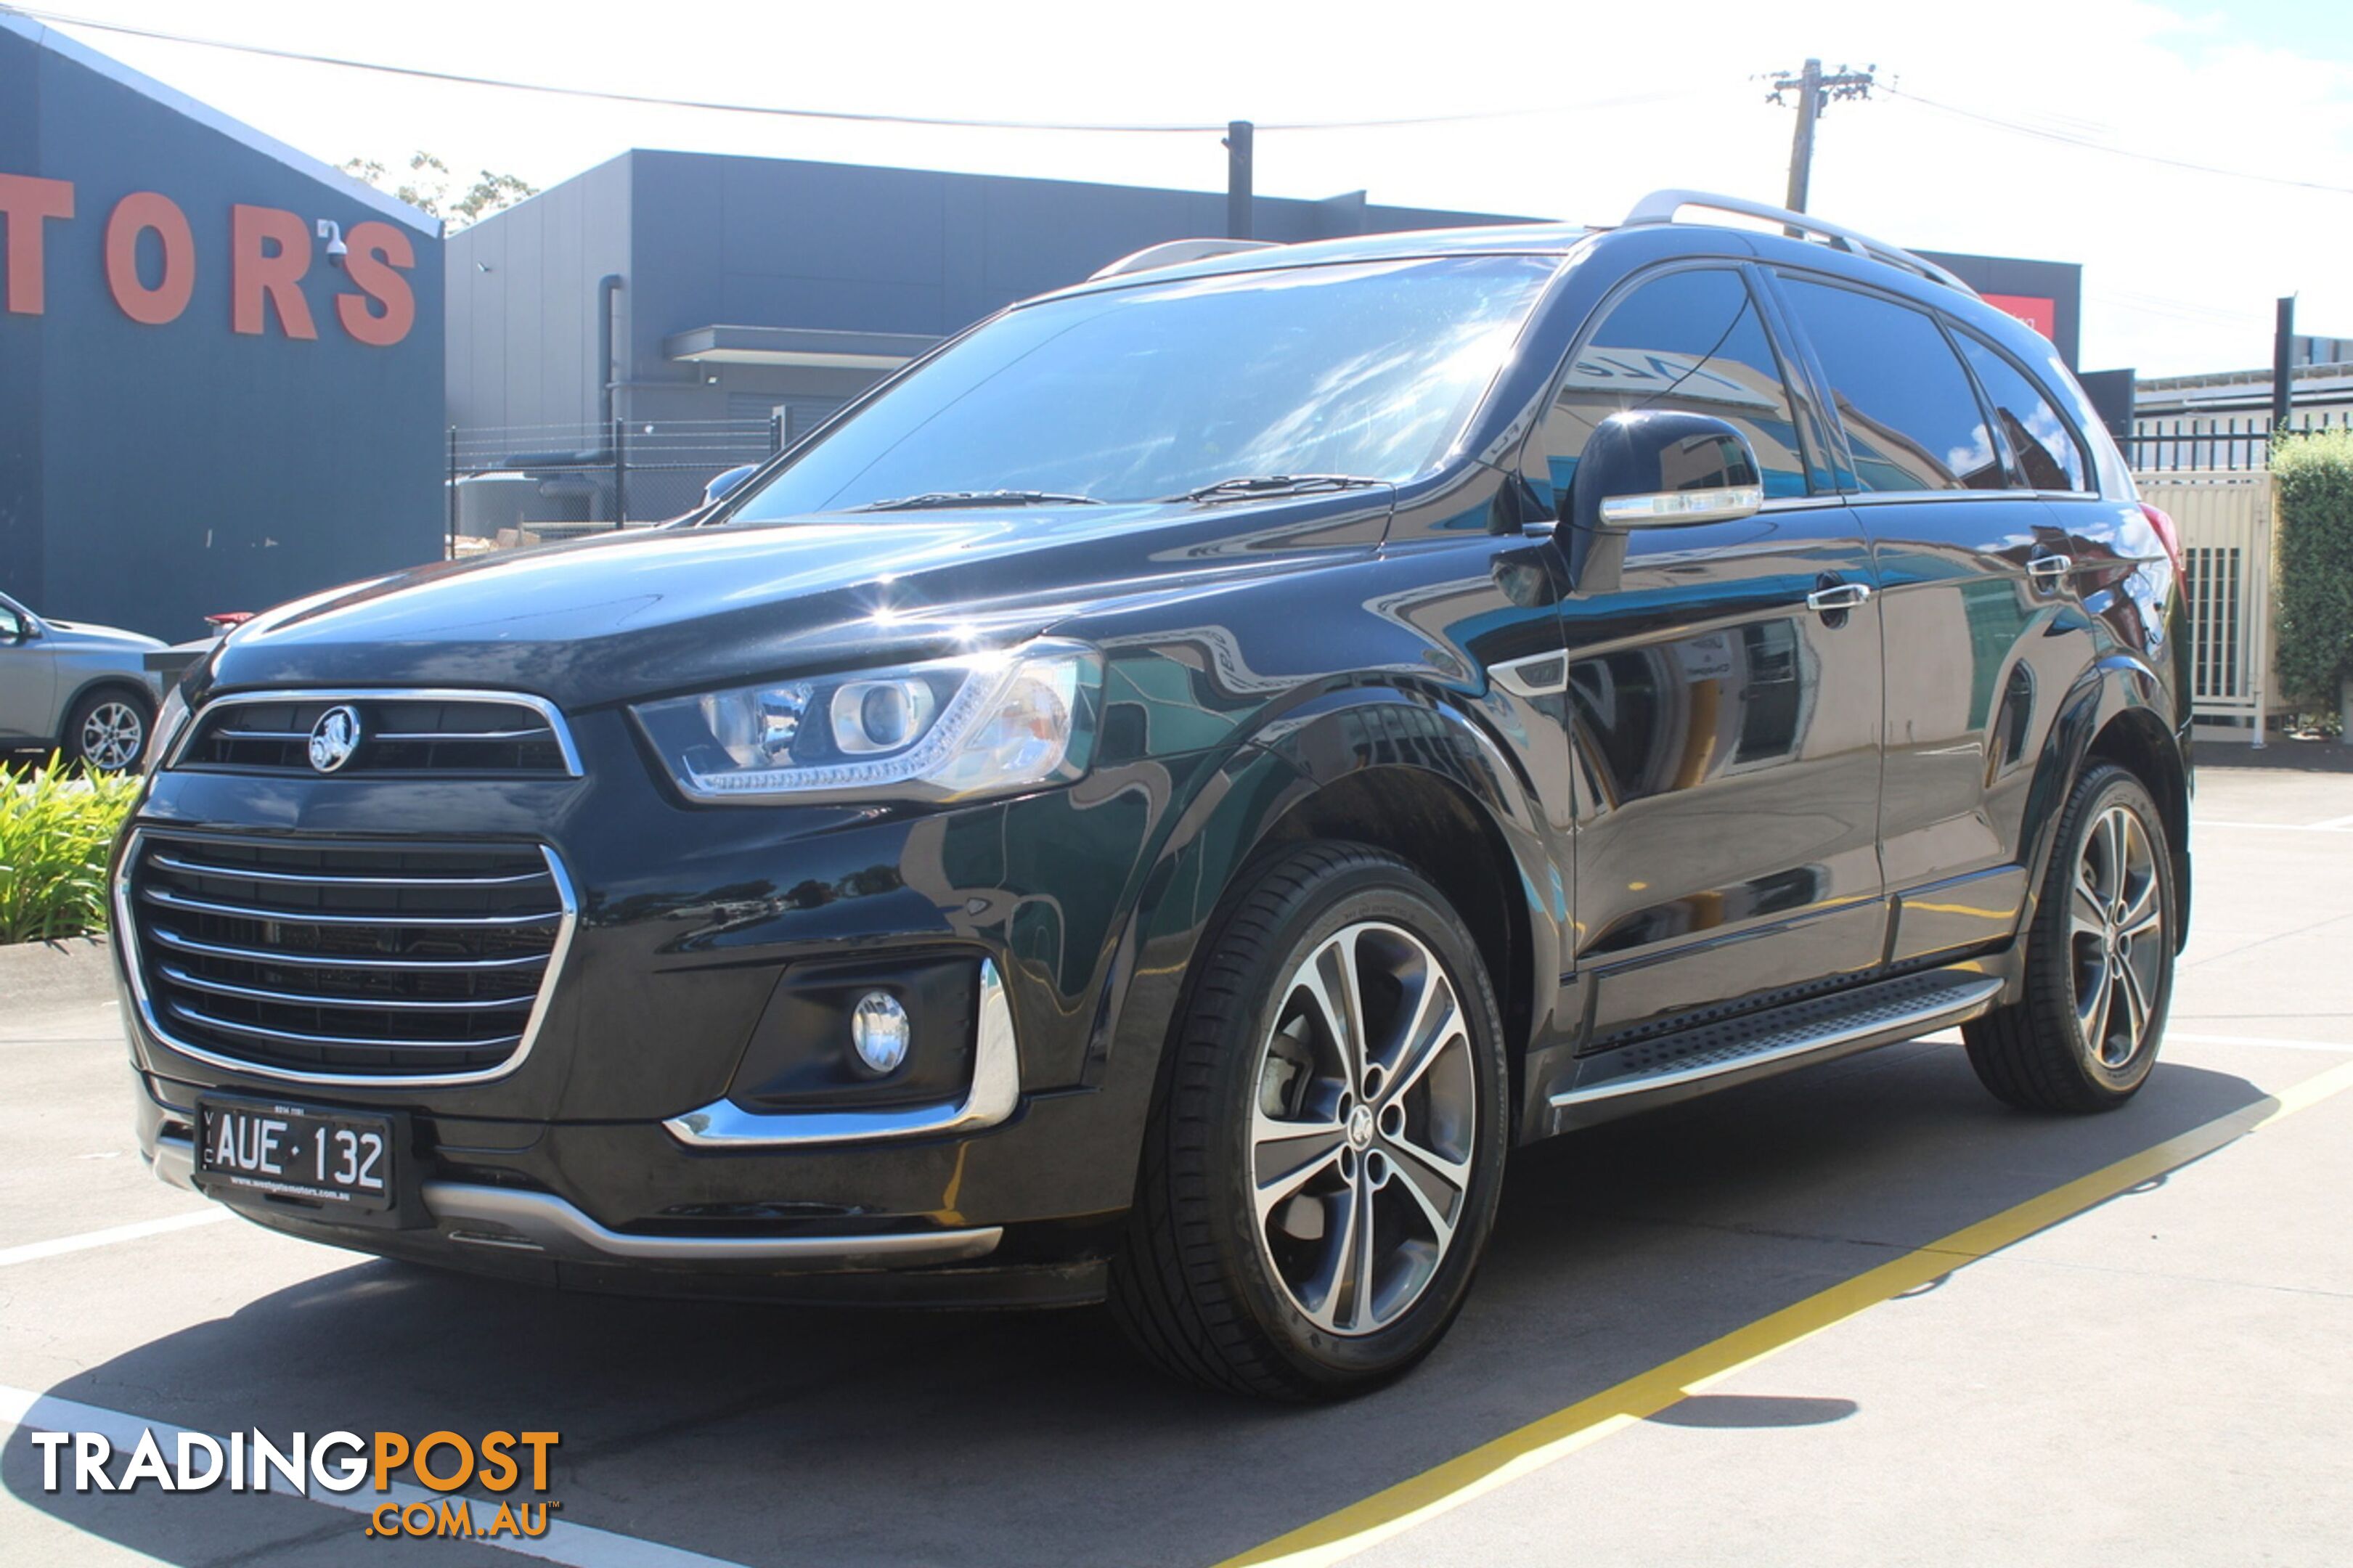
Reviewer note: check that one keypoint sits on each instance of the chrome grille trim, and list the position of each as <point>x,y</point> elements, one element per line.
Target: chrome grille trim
<point>259,1033</point>
<point>131,941</point>
<point>269,914</point>
<point>351,1003</point>
<point>201,723</point>
<point>305,878</point>
<point>288,960</point>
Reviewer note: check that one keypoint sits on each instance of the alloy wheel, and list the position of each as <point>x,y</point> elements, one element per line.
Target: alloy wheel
<point>1363,1129</point>
<point>111,735</point>
<point>2116,937</point>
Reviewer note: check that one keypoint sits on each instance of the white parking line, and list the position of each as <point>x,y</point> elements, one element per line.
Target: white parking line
<point>2266,1040</point>
<point>578,1544</point>
<point>108,1237</point>
<point>2334,825</point>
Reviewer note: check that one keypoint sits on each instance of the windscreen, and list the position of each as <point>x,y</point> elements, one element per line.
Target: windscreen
<point>1367,369</point>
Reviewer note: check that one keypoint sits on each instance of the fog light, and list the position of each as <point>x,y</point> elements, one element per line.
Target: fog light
<point>878,1028</point>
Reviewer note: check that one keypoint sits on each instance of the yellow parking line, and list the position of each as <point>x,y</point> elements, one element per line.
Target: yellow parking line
<point>1417,1500</point>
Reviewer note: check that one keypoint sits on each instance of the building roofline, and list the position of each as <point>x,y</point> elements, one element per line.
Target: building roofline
<point>2260,377</point>
<point>1485,218</point>
<point>67,47</point>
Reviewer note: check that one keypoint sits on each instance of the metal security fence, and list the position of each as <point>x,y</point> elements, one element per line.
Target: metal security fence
<point>2217,442</point>
<point>524,484</point>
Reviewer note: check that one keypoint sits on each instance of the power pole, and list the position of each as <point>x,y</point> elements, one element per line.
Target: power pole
<point>1816,92</point>
<point>1239,135</point>
<point>2284,364</point>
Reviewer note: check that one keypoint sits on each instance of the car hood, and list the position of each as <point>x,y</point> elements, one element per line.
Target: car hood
<point>632,616</point>
<point>82,635</point>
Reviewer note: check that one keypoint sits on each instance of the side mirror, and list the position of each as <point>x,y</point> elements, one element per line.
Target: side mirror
<point>1654,467</point>
<point>726,484</point>
<point>13,628</point>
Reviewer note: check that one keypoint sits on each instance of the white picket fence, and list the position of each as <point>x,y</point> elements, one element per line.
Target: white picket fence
<point>2225,518</point>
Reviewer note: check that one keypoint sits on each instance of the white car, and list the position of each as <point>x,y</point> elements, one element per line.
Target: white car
<point>82,691</point>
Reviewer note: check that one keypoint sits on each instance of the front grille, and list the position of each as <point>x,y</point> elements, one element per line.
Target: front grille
<point>346,959</point>
<point>400,733</point>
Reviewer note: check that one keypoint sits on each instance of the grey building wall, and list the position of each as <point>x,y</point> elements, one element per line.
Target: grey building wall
<point>705,240</point>
<point>151,473</point>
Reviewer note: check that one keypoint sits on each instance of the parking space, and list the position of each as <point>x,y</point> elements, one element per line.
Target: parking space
<point>2147,1366</point>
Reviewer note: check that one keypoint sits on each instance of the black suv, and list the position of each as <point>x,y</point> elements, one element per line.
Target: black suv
<point>1158,797</point>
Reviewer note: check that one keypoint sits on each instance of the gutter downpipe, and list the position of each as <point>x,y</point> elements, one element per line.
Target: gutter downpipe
<point>608,286</point>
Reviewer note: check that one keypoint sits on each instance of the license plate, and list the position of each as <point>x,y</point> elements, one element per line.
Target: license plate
<point>336,1157</point>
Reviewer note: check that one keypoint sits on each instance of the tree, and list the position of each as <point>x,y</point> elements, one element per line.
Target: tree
<point>427,189</point>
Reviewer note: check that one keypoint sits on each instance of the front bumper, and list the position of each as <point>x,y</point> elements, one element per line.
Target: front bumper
<point>470,1214</point>
<point>623,1150</point>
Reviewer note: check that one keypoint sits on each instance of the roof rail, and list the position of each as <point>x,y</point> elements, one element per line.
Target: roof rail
<point>1171,252</point>
<point>1661,207</point>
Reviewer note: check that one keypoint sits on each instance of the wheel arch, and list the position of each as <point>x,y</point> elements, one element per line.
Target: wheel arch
<point>1400,769</point>
<point>2118,712</point>
<point>105,681</point>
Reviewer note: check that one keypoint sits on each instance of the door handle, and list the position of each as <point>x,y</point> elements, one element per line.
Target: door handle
<point>2048,570</point>
<point>1838,596</point>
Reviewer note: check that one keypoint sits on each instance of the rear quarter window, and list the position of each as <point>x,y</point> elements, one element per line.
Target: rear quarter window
<point>2049,455</point>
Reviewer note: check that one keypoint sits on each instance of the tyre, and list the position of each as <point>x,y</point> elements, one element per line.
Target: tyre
<point>2099,960</point>
<point>107,731</point>
<point>1321,1169</point>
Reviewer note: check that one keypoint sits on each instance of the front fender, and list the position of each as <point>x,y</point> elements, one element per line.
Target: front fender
<point>1395,735</point>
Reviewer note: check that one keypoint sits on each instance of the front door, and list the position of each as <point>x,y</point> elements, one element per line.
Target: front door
<point>1726,731</point>
<point>28,679</point>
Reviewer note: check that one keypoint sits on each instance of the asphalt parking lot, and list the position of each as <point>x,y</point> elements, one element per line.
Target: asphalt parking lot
<point>1858,1314</point>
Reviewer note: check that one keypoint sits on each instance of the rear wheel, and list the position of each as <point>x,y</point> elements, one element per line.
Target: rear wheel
<point>1322,1168</point>
<point>107,731</point>
<point>2099,960</point>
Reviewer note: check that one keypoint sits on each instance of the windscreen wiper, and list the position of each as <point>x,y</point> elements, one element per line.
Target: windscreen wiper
<point>1249,485</point>
<point>937,500</point>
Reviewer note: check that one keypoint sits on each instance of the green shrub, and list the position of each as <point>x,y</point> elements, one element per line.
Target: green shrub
<point>55,831</point>
<point>2314,596</point>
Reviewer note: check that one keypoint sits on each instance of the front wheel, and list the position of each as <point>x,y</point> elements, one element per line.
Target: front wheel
<point>2099,960</point>
<point>1322,1168</point>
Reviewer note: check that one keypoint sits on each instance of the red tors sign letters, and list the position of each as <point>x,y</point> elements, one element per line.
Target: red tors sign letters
<point>269,253</point>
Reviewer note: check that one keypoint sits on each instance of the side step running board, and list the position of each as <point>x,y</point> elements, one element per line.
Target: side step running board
<point>1674,1067</point>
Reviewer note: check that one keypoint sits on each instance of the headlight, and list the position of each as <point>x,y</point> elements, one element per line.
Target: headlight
<point>949,729</point>
<point>165,733</point>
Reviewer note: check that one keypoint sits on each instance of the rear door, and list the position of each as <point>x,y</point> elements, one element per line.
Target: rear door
<point>1725,733</point>
<point>1985,634</point>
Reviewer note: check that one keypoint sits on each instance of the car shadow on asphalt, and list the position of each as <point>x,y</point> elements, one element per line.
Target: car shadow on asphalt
<point>768,1435</point>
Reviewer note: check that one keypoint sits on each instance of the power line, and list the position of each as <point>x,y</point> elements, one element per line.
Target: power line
<point>2095,146</point>
<point>653,100</point>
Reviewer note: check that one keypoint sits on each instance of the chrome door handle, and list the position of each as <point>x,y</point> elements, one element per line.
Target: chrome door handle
<point>2049,569</point>
<point>1838,596</point>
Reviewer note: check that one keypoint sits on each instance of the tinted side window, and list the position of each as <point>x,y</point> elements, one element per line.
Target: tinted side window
<point>1910,413</point>
<point>2049,456</point>
<point>1690,340</point>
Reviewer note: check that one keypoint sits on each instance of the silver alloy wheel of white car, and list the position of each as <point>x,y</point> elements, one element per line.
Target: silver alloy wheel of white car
<point>111,736</point>
<point>1363,1129</point>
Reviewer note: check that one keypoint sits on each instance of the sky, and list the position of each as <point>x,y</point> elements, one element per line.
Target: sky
<point>1591,106</point>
